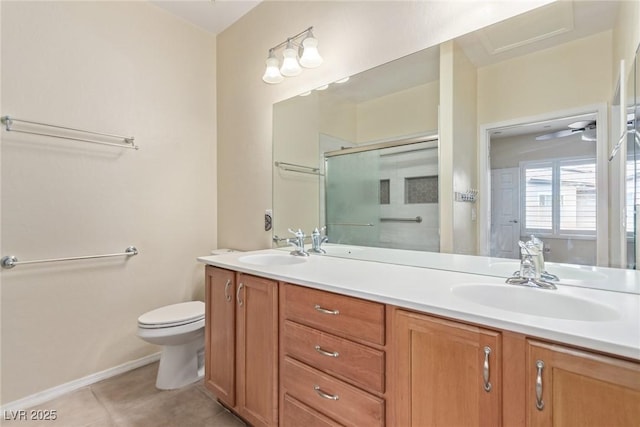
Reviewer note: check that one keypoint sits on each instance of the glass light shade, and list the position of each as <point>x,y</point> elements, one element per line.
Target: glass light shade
<point>310,56</point>
<point>290,66</point>
<point>272,73</point>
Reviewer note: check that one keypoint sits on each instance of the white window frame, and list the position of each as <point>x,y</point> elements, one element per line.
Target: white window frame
<point>555,164</point>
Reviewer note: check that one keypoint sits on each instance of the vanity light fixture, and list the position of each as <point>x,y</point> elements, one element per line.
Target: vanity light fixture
<point>294,55</point>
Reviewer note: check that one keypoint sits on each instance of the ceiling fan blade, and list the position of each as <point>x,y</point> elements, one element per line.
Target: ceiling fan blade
<point>581,124</point>
<point>558,134</point>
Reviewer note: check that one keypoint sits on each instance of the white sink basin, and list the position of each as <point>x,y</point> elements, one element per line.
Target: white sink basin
<point>537,302</point>
<point>563,271</point>
<point>271,259</point>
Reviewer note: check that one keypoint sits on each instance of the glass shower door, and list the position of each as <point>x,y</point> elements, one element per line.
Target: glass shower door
<point>353,198</point>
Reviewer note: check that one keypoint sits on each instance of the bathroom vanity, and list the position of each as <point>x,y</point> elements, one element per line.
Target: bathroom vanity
<point>324,341</point>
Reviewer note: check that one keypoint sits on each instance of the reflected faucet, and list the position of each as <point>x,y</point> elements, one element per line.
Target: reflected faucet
<point>317,240</point>
<point>539,245</point>
<point>531,266</point>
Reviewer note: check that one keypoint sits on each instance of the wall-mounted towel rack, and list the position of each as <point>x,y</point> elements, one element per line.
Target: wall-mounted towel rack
<point>8,121</point>
<point>292,167</point>
<point>417,219</point>
<point>11,261</point>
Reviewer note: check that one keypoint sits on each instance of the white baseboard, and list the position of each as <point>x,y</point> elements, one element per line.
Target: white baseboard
<point>57,391</point>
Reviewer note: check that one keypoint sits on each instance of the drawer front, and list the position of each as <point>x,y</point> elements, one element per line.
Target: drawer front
<point>336,399</point>
<point>348,360</point>
<point>296,414</point>
<point>341,315</point>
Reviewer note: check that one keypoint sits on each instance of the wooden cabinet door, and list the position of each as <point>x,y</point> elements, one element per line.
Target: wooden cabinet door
<point>257,349</point>
<point>568,387</point>
<point>220,334</point>
<point>442,380</point>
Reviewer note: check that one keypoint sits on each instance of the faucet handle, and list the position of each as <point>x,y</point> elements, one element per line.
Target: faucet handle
<point>298,233</point>
<point>317,231</point>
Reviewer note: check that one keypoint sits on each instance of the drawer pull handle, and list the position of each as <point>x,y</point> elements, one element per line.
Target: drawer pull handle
<point>485,369</point>
<point>226,291</point>
<point>327,353</point>
<point>325,395</point>
<point>539,401</point>
<point>325,311</point>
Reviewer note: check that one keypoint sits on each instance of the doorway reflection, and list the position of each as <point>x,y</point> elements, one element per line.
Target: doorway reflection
<point>543,182</point>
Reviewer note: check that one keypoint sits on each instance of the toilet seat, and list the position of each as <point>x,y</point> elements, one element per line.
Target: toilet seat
<point>172,315</point>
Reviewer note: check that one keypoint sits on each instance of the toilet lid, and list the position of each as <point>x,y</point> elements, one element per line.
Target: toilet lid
<point>173,315</point>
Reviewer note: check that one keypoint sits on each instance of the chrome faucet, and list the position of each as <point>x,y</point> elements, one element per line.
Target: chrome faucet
<point>317,240</point>
<point>298,243</point>
<point>531,266</point>
<point>539,245</point>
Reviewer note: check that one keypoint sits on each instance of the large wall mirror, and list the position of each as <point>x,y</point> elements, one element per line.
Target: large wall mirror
<point>473,145</point>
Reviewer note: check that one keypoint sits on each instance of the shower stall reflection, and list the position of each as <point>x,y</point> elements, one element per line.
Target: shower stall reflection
<point>383,195</point>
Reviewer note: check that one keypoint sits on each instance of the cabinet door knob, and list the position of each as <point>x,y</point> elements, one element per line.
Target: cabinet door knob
<point>226,291</point>
<point>325,395</point>
<point>539,401</point>
<point>326,311</point>
<point>327,353</point>
<point>485,369</point>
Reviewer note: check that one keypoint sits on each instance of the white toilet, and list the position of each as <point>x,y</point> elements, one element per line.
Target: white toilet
<point>180,329</point>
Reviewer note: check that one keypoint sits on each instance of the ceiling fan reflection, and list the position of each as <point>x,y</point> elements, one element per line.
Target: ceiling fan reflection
<point>585,127</point>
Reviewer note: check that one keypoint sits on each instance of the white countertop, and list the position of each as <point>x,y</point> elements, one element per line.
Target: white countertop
<point>429,290</point>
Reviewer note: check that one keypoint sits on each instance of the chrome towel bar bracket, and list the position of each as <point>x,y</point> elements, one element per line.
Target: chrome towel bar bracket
<point>11,261</point>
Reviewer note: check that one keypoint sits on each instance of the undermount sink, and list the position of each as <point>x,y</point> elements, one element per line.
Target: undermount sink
<point>564,272</point>
<point>537,302</point>
<point>271,259</point>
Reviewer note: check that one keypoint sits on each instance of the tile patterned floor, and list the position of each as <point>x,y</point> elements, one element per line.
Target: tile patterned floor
<point>131,400</point>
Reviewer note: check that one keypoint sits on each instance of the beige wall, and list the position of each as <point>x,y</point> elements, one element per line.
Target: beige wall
<point>118,67</point>
<point>550,80</point>
<point>458,148</point>
<point>353,37</point>
<point>626,38</point>
<point>406,113</point>
<point>296,128</point>
<point>338,117</point>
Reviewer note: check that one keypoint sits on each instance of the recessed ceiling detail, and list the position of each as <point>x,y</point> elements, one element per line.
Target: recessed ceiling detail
<point>537,25</point>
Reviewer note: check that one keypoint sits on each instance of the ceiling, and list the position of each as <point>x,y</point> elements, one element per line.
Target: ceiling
<point>213,16</point>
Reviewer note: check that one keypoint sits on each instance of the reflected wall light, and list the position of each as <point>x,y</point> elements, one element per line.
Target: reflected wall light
<point>295,54</point>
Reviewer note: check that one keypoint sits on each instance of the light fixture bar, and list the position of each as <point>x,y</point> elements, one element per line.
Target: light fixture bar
<point>300,50</point>
<point>301,33</point>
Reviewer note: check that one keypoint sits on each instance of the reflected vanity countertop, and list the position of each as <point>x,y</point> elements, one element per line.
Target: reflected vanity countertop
<point>435,291</point>
<point>614,279</point>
